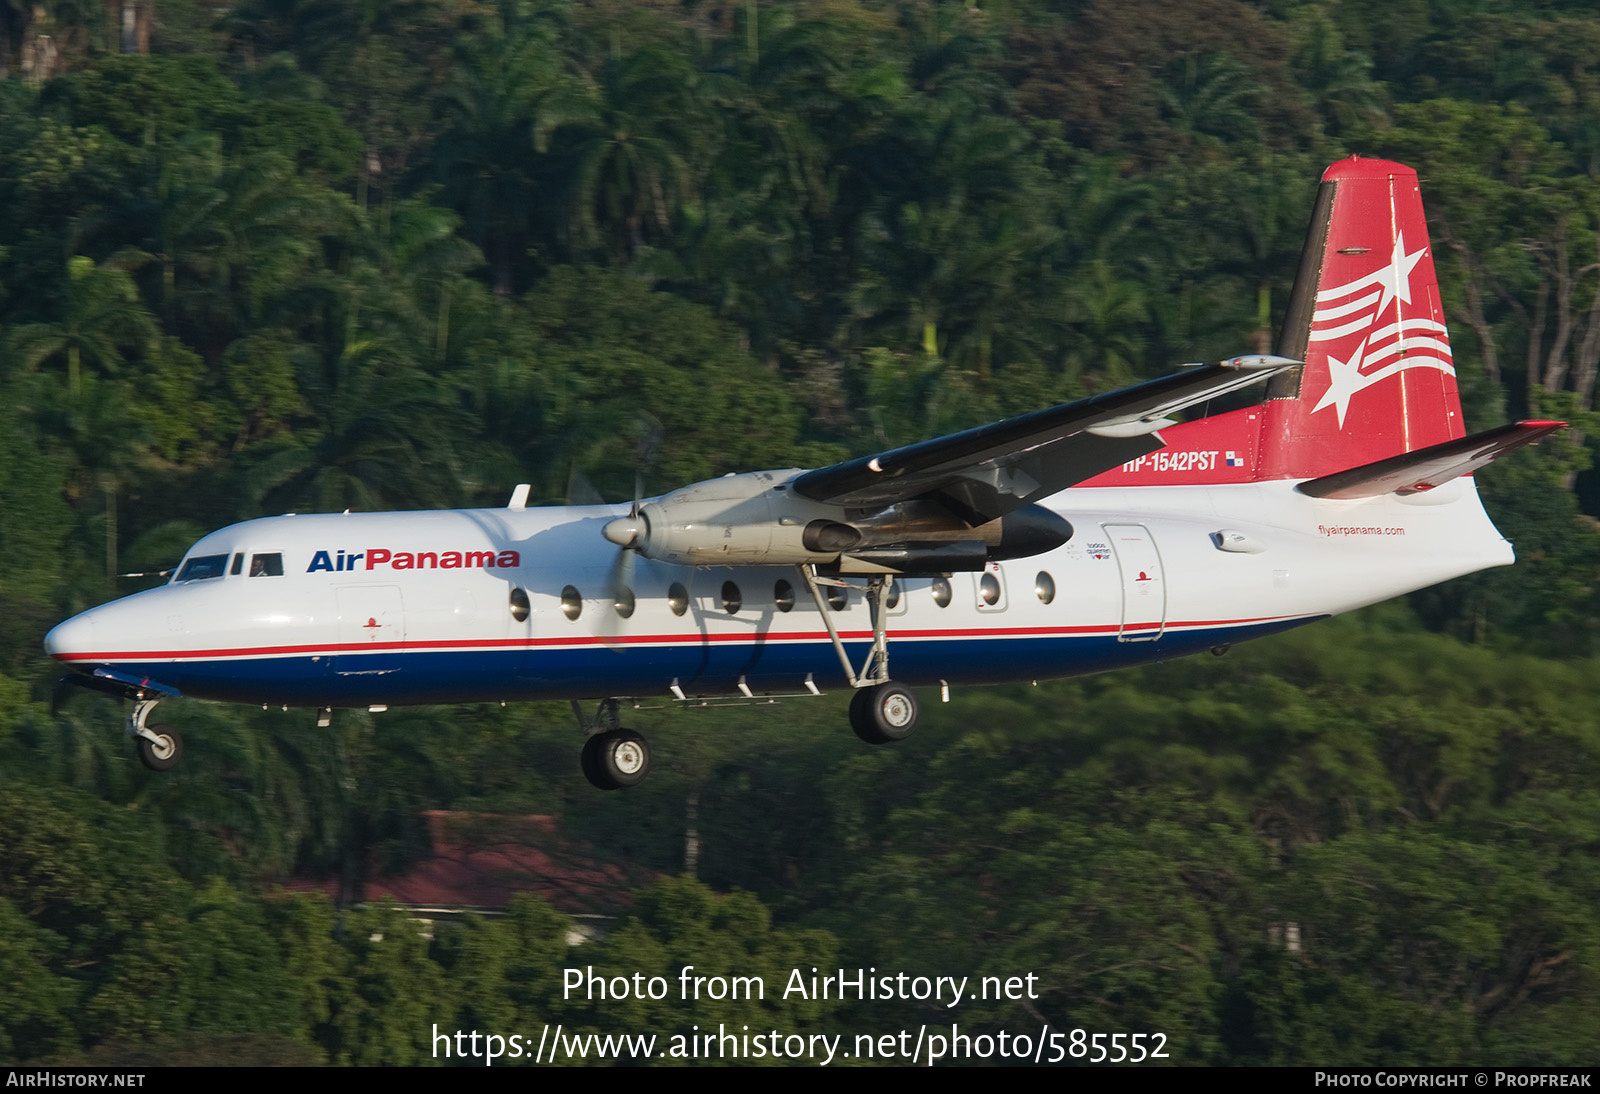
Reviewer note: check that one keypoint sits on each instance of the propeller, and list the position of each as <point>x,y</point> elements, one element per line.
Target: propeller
<point>625,532</point>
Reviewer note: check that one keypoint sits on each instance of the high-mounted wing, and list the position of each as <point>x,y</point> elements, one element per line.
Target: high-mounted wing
<point>955,503</point>
<point>991,470</point>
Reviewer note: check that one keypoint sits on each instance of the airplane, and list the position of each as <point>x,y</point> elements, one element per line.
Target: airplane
<point>1083,537</point>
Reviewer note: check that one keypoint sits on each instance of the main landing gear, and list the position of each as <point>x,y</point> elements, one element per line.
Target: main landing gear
<point>882,713</point>
<point>881,710</point>
<point>613,757</point>
<point>160,747</point>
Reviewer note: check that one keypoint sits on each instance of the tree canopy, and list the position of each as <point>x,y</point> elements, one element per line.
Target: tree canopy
<point>319,254</point>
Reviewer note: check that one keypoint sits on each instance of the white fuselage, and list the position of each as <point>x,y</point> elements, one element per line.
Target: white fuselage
<point>394,608</point>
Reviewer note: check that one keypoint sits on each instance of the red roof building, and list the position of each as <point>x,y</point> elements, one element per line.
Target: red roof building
<point>481,860</point>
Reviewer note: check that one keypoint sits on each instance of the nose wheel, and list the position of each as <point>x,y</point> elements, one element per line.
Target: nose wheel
<point>160,748</point>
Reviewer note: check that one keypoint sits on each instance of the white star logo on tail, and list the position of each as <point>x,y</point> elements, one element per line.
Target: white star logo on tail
<point>1396,276</point>
<point>1395,279</point>
<point>1344,380</point>
<point>1408,342</point>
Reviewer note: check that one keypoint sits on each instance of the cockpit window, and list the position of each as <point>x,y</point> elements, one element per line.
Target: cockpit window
<point>267,565</point>
<point>203,568</point>
<point>238,564</point>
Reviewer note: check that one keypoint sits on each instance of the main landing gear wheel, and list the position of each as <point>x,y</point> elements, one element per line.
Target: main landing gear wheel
<point>616,758</point>
<point>883,713</point>
<point>163,753</point>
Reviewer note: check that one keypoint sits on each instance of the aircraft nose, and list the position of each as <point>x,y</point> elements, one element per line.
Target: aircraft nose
<point>74,637</point>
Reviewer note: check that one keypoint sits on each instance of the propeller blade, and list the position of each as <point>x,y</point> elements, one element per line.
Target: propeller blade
<point>619,583</point>
<point>580,491</point>
<point>619,587</point>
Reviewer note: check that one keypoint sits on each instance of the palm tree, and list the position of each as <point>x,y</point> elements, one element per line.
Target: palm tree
<point>1108,313</point>
<point>101,316</point>
<point>97,425</point>
<point>753,248</point>
<point>241,242</point>
<point>382,436</point>
<point>1339,79</point>
<point>1210,100</point>
<point>504,96</point>
<point>424,257</point>
<point>634,159</point>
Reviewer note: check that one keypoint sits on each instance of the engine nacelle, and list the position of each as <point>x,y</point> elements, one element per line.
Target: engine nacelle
<point>737,520</point>
<point>755,520</point>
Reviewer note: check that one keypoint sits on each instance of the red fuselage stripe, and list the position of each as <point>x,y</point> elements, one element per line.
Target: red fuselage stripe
<point>650,639</point>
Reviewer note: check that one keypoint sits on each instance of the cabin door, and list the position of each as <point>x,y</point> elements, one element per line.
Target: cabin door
<point>1144,585</point>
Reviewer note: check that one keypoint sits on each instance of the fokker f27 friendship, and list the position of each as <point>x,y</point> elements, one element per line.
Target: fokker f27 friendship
<point>1080,538</point>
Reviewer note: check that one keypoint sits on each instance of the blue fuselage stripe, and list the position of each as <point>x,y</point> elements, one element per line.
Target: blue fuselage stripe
<point>462,676</point>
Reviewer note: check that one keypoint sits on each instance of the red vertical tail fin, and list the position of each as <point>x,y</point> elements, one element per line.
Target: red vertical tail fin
<point>1366,319</point>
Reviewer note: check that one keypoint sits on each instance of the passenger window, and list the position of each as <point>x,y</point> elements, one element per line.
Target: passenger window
<point>989,590</point>
<point>203,568</point>
<point>1044,586</point>
<point>267,565</point>
<point>941,592</point>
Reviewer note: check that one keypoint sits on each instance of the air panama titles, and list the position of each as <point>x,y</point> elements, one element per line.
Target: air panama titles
<point>375,557</point>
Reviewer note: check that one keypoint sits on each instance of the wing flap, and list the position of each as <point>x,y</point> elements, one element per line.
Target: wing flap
<point>1413,472</point>
<point>993,469</point>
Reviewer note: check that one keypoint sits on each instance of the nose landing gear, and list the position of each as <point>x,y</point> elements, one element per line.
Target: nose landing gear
<point>160,747</point>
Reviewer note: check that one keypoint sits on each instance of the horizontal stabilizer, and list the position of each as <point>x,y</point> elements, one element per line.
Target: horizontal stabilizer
<point>1412,472</point>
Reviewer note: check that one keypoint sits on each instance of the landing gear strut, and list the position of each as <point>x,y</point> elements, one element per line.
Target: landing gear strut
<point>613,757</point>
<point>160,747</point>
<point>881,710</point>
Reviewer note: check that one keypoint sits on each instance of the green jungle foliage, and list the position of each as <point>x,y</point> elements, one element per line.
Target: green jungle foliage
<point>317,254</point>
